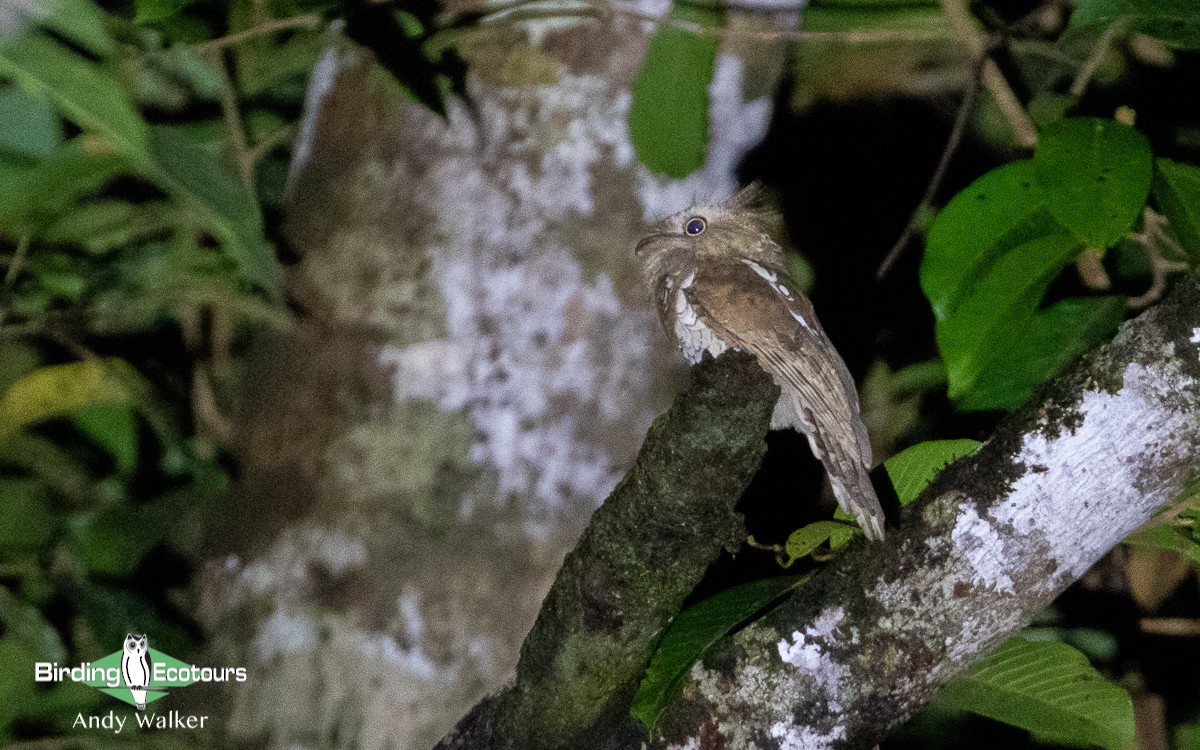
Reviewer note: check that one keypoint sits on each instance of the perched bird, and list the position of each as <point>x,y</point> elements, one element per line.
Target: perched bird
<point>719,283</point>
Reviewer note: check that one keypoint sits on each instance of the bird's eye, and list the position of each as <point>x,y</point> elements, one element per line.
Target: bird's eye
<point>695,226</point>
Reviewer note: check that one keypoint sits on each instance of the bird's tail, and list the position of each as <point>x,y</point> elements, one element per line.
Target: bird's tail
<point>845,450</point>
<point>853,490</point>
<point>842,445</point>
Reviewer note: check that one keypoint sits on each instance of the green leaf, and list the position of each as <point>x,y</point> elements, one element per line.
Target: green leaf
<point>58,390</point>
<point>81,21</point>
<point>265,65</point>
<point>1177,192</point>
<point>693,631</point>
<point>802,541</point>
<point>27,638</point>
<point>999,302</point>
<point>112,541</point>
<point>1000,210</point>
<point>189,171</point>
<point>29,520</point>
<point>990,256</point>
<point>1187,737</point>
<point>1168,537</point>
<point>668,119</point>
<point>52,465</point>
<point>113,427</point>
<point>81,90</point>
<point>1096,176</point>
<point>103,225</point>
<point>29,126</point>
<point>910,471</point>
<point>913,468</point>
<point>1036,349</point>
<point>1176,22</point>
<point>153,11</point>
<point>40,194</point>
<point>1049,689</point>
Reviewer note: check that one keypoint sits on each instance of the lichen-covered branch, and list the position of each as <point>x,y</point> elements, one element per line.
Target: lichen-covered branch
<point>995,537</point>
<point>644,551</point>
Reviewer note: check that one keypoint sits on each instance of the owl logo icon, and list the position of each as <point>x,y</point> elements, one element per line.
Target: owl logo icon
<point>135,667</point>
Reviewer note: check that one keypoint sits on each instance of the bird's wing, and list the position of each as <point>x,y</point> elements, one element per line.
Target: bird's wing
<point>745,302</point>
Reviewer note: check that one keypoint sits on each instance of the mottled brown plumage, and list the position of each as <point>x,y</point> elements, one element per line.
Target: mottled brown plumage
<point>719,283</point>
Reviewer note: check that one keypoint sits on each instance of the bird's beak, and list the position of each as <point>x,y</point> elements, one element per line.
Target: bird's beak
<point>646,241</point>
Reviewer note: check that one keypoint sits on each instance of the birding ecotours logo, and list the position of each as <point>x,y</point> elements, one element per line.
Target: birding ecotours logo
<point>137,674</point>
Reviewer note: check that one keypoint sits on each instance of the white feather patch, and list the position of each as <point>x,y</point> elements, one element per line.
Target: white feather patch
<point>695,337</point>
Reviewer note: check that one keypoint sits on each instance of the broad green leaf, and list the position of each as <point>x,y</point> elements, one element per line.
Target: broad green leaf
<point>81,21</point>
<point>33,197</point>
<point>112,541</point>
<point>910,471</point>
<point>81,90</point>
<point>839,538</point>
<point>693,631</point>
<point>802,541</point>
<point>668,120</point>
<point>103,225</point>
<point>1000,210</point>
<point>153,11</point>
<point>1176,22</point>
<point>58,390</point>
<point>264,65</point>
<point>1036,349</point>
<point>913,468</point>
<point>1001,300</point>
<point>1187,737</point>
<point>1049,689</point>
<point>114,427</point>
<point>1177,192</point>
<point>1096,176</point>
<point>29,520</point>
<point>27,638</point>
<point>52,465</point>
<point>29,126</point>
<point>189,171</point>
<point>1168,537</point>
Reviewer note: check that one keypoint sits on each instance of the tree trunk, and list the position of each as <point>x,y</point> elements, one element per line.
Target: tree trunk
<point>477,366</point>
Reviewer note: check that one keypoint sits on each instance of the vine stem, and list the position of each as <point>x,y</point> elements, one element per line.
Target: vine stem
<point>307,21</point>
<point>939,174</point>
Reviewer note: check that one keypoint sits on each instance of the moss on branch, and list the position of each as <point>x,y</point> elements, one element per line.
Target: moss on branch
<point>644,551</point>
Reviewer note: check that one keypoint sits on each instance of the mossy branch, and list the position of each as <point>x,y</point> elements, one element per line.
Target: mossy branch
<point>644,551</point>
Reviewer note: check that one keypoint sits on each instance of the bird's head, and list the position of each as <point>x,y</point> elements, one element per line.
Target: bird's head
<point>737,228</point>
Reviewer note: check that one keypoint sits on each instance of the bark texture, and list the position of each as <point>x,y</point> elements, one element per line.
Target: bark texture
<point>644,551</point>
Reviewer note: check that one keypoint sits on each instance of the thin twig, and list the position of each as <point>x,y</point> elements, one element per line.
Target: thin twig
<point>935,182</point>
<point>963,23</point>
<point>14,267</point>
<point>1174,626</point>
<point>307,21</point>
<point>18,260</point>
<point>1014,112</point>
<point>1084,76</point>
<point>281,136</point>
<point>232,116</point>
<point>1155,239</point>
